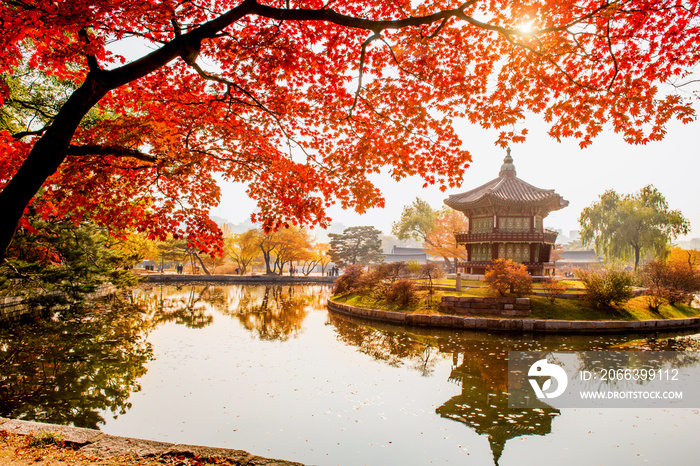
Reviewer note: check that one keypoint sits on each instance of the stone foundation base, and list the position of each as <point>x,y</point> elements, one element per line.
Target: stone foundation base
<point>471,305</point>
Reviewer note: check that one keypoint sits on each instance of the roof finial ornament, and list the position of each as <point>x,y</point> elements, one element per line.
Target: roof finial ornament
<point>507,169</point>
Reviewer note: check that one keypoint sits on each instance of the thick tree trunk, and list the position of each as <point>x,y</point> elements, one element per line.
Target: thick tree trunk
<point>204,267</point>
<point>450,269</point>
<point>44,159</point>
<point>266,258</point>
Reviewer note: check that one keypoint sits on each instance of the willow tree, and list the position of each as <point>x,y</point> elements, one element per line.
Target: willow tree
<point>623,227</point>
<point>302,100</point>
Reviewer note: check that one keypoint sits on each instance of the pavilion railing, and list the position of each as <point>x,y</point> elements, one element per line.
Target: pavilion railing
<point>484,264</point>
<point>545,236</point>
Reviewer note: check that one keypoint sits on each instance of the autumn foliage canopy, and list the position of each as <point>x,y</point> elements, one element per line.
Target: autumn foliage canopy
<point>129,111</point>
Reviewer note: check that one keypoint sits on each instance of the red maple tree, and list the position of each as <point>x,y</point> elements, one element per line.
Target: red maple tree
<point>304,99</point>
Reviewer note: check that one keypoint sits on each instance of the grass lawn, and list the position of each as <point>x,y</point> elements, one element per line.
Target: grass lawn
<point>572,286</point>
<point>451,282</point>
<point>542,307</point>
<point>426,305</point>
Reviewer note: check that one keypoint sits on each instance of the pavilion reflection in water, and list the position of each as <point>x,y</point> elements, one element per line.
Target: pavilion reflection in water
<point>483,404</point>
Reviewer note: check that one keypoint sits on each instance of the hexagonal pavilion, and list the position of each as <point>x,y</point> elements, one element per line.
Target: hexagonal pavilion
<point>505,221</point>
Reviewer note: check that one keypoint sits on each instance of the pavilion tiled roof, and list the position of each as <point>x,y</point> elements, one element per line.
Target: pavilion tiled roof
<point>507,189</point>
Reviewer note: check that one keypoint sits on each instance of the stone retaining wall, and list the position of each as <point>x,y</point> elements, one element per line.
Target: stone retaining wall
<point>516,324</point>
<point>12,308</point>
<point>241,279</point>
<point>15,307</point>
<point>469,305</point>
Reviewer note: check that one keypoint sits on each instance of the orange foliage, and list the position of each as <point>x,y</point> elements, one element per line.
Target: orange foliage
<point>688,257</point>
<point>505,275</point>
<point>303,101</point>
<point>441,240</point>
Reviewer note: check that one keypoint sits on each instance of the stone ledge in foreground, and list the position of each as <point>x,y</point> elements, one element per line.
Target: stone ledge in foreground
<point>95,442</point>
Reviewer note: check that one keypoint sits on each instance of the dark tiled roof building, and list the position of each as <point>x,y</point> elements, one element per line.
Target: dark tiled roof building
<point>404,254</point>
<point>505,221</point>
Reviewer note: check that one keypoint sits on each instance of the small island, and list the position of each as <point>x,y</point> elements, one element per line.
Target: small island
<point>507,280</point>
<point>477,307</point>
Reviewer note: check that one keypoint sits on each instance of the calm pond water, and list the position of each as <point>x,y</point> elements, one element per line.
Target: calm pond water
<point>269,370</point>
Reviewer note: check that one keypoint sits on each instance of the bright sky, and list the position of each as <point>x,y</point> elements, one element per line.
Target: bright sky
<point>579,175</point>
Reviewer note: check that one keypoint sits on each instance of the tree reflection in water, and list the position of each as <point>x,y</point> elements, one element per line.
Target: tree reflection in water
<point>75,370</point>
<point>394,348</point>
<point>274,312</point>
<point>184,305</point>
<point>68,371</point>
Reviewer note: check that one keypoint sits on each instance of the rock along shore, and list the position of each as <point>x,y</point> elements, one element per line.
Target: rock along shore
<point>95,442</point>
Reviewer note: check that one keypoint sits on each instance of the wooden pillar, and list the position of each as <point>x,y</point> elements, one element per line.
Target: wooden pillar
<point>494,251</point>
<point>545,252</point>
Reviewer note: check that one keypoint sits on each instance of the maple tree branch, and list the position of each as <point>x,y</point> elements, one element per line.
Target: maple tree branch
<point>361,65</point>
<point>31,106</point>
<point>97,149</point>
<point>22,134</point>
<point>176,26</point>
<point>239,160</point>
<point>537,32</point>
<point>90,58</point>
<point>187,45</point>
<point>678,86</point>
<point>393,121</point>
<point>257,103</point>
<point>398,64</point>
<point>334,17</point>
<point>548,58</point>
<point>229,85</point>
<point>438,29</point>
<point>612,54</point>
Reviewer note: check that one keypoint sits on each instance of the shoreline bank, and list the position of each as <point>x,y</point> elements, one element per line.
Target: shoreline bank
<point>522,325</point>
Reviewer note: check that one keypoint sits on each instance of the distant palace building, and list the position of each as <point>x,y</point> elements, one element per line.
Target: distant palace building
<point>505,221</point>
<point>405,254</point>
